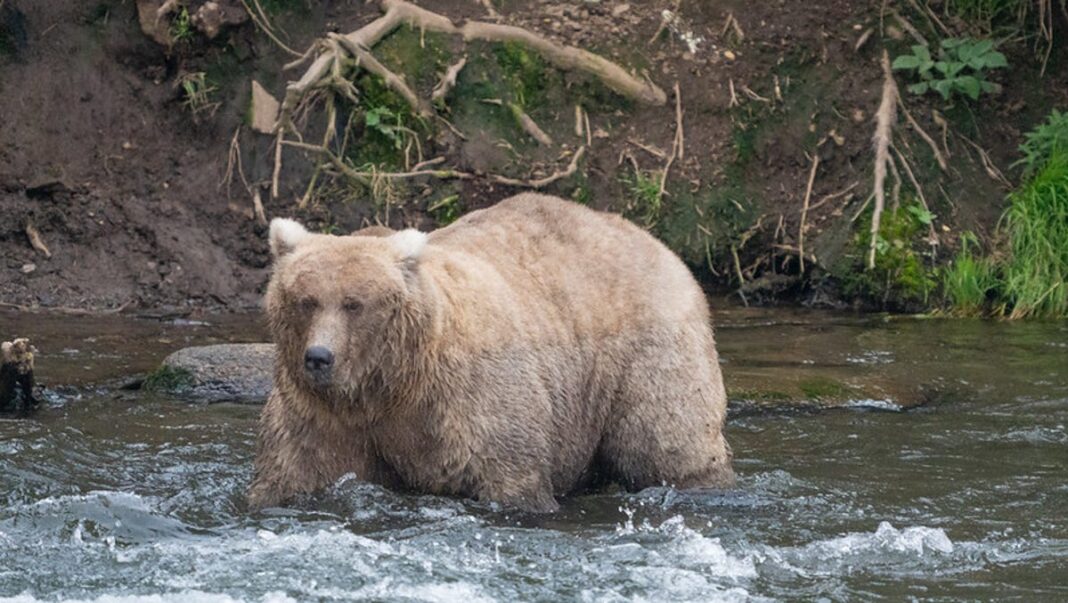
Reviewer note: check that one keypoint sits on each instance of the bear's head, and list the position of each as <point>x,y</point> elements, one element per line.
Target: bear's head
<point>340,306</point>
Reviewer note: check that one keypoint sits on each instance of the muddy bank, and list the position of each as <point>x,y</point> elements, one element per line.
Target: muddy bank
<point>123,177</point>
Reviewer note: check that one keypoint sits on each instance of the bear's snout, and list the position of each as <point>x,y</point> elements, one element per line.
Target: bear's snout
<point>317,361</point>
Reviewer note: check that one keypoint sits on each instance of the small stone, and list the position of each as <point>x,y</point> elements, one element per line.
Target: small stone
<point>28,268</point>
<point>729,55</point>
<point>619,9</point>
<point>859,116</point>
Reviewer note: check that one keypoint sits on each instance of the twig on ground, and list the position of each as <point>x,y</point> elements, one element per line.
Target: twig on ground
<point>988,164</point>
<point>543,182</point>
<point>648,149</point>
<point>831,197</point>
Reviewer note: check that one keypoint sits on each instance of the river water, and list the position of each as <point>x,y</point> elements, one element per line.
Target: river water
<point>115,495</point>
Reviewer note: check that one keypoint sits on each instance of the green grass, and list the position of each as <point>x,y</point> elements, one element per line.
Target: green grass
<point>969,281</point>
<point>1036,272</point>
<point>1040,143</point>
<point>823,388</point>
<point>181,26</point>
<point>643,192</point>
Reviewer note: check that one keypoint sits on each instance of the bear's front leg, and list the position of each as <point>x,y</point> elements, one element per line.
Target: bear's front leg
<point>532,495</point>
<point>302,449</point>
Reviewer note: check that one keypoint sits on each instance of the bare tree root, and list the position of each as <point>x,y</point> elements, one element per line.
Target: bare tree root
<point>448,81</point>
<point>884,120</point>
<point>805,208</point>
<point>524,121</point>
<point>329,75</point>
<point>394,81</point>
<point>923,134</point>
<point>676,145</point>
<point>543,182</point>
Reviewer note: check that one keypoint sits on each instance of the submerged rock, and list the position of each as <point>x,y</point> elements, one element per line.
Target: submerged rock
<point>231,372</point>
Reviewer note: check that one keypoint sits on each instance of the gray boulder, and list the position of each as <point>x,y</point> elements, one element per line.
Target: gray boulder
<point>231,372</point>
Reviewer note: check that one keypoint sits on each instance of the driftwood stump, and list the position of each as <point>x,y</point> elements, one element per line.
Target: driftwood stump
<point>16,375</point>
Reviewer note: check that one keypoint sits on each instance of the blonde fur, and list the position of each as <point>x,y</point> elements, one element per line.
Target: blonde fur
<point>520,353</point>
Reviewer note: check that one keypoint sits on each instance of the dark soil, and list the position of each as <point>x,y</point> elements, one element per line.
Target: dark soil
<point>125,185</point>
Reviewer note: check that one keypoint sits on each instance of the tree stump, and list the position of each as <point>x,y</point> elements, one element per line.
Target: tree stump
<point>16,375</point>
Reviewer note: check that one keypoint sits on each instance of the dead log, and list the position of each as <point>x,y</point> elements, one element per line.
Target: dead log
<point>16,375</point>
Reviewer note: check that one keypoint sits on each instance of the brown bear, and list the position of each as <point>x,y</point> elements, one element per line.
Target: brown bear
<point>508,357</point>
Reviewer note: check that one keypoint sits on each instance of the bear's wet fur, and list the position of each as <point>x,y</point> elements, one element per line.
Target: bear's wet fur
<point>499,358</point>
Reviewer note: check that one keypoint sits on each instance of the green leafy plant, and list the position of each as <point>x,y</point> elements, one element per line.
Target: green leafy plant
<point>1040,143</point>
<point>901,276</point>
<point>181,26</point>
<point>960,68</point>
<point>378,119</point>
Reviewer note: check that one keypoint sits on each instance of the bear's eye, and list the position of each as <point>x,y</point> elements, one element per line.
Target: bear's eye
<point>352,305</point>
<point>308,304</point>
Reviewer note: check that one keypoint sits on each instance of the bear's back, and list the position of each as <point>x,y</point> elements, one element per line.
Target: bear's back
<point>596,266</point>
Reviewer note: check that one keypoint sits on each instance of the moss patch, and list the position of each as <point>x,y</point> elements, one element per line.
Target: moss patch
<point>168,379</point>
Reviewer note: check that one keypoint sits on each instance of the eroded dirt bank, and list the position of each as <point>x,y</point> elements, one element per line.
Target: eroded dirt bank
<point>104,157</point>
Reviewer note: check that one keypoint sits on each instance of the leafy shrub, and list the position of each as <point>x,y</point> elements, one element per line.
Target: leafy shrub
<point>960,68</point>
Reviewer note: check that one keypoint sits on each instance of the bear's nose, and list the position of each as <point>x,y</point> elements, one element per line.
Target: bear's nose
<point>318,359</point>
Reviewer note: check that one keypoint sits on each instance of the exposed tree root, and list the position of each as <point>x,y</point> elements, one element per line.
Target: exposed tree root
<point>543,182</point>
<point>329,75</point>
<point>805,208</point>
<point>448,81</point>
<point>883,131</point>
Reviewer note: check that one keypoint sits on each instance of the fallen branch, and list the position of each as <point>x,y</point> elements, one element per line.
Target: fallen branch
<point>881,141</point>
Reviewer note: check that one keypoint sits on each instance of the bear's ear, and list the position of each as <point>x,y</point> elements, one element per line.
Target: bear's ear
<point>285,235</point>
<point>408,243</point>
